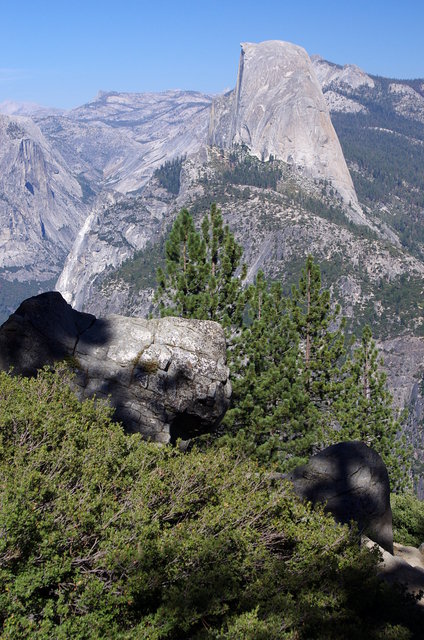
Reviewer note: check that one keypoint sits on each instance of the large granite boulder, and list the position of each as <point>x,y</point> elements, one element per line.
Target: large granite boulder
<point>352,481</point>
<point>167,378</point>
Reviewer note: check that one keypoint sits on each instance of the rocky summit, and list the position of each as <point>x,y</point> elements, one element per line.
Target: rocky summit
<point>166,379</point>
<point>277,110</point>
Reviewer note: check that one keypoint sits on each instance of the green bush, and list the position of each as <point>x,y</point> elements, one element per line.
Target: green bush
<point>408,519</point>
<point>105,536</point>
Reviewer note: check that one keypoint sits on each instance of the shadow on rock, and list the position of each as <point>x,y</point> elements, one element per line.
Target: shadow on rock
<point>166,378</point>
<point>351,480</point>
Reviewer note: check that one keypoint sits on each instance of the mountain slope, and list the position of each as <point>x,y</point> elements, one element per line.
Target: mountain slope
<point>40,209</point>
<point>117,140</point>
<point>382,136</point>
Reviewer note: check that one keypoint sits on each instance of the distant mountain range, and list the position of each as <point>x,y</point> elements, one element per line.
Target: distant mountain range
<point>304,156</point>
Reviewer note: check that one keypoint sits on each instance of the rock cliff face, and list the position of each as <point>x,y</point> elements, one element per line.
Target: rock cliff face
<point>277,110</point>
<point>40,203</point>
<point>167,378</point>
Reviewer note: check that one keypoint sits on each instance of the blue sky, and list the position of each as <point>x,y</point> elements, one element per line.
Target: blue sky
<point>61,53</point>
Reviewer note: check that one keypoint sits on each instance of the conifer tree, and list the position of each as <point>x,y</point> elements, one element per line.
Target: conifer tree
<point>364,410</point>
<point>199,280</point>
<point>272,413</point>
<point>322,343</point>
<point>291,394</point>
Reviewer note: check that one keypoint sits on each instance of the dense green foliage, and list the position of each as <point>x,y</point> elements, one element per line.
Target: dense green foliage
<point>199,280</point>
<point>295,390</point>
<point>248,170</point>
<point>286,371</point>
<point>364,410</point>
<point>168,175</point>
<point>271,417</point>
<point>321,333</point>
<point>104,536</point>
<point>408,519</point>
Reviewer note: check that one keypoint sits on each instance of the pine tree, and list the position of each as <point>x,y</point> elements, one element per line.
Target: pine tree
<point>181,285</point>
<point>291,393</point>
<point>199,280</point>
<point>365,412</point>
<point>271,414</point>
<point>322,341</point>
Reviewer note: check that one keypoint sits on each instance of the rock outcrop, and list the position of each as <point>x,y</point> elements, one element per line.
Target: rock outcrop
<point>352,481</point>
<point>278,110</point>
<point>166,378</point>
<point>348,89</point>
<point>405,567</point>
<point>349,75</point>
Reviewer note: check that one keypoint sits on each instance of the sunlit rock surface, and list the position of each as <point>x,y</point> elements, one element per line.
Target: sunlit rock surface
<point>41,206</point>
<point>278,110</point>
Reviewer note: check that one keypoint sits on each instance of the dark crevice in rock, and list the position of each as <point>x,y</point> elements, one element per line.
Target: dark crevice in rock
<point>184,427</point>
<point>79,336</point>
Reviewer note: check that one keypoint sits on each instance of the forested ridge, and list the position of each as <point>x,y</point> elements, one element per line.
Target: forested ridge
<point>384,150</point>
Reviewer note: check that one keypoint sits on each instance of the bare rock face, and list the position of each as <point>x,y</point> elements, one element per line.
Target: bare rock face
<point>166,378</point>
<point>117,227</point>
<point>41,205</point>
<point>278,109</point>
<point>352,481</point>
<point>349,75</point>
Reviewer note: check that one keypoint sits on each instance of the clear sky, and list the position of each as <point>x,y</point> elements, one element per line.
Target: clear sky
<point>61,53</point>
